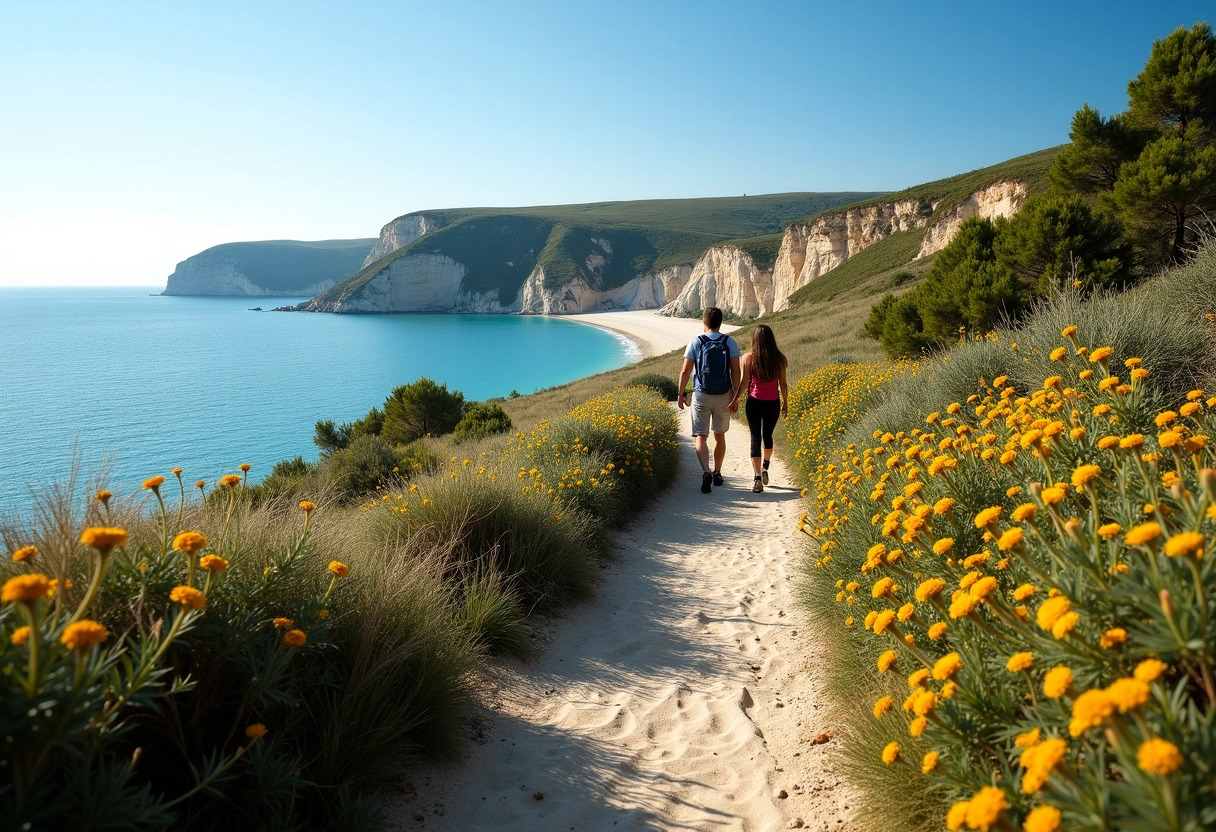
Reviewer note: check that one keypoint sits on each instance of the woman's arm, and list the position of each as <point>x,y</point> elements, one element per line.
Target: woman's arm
<point>785,393</point>
<point>744,377</point>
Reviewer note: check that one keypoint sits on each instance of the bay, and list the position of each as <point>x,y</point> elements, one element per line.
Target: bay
<point>146,383</point>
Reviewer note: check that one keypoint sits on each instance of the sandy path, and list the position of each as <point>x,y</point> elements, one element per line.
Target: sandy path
<point>680,697</point>
<point>648,332</point>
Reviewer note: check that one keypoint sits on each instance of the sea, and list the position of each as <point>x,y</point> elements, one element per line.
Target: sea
<point>126,382</point>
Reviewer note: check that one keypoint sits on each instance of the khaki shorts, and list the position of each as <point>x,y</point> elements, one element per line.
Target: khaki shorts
<point>710,411</point>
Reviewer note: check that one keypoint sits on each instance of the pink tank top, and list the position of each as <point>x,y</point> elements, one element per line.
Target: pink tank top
<point>762,390</point>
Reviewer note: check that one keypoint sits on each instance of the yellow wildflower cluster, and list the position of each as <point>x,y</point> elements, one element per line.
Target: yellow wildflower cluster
<point>1041,559</point>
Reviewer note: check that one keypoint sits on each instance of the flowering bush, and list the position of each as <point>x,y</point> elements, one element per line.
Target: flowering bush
<point>1030,578</point>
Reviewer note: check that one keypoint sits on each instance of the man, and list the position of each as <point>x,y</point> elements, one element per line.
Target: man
<point>712,359</point>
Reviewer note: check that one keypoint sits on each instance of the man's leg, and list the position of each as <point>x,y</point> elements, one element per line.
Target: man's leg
<point>719,450</point>
<point>702,451</point>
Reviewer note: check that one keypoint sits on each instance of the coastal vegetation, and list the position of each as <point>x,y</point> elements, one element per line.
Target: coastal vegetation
<point>203,660</point>
<point>1012,558</point>
<point>275,266</point>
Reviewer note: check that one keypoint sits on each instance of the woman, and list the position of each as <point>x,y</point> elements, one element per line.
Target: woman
<point>768,393</point>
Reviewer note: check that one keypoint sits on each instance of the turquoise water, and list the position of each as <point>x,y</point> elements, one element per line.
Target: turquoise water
<point>142,383</point>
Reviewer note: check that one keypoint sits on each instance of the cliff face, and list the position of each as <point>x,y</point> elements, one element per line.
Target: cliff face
<point>647,291</point>
<point>398,234</point>
<point>414,283</point>
<point>727,277</point>
<point>225,278</point>
<point>1001,199</point>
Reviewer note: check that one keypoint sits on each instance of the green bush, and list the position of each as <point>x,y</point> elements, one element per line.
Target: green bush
<point>363,466</point>
<point>658,382</point>
<point>420,409</point>
<point>482,420</point>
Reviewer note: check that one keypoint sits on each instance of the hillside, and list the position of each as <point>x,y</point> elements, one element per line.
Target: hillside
<point>496,259</point>
<point>268,267</point>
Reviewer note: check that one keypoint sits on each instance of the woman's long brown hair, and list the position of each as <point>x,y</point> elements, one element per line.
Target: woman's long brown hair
<point>767,360</point>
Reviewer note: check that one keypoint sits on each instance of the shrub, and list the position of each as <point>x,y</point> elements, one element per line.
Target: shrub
<point>363,466</point>
<point>482,420</point>
<point>1043,572</point>
<point>420,409</point>
<point>657,382</point>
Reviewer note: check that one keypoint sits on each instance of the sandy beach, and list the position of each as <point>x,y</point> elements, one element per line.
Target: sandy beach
<point>651,334</point>
<point>685,695</point>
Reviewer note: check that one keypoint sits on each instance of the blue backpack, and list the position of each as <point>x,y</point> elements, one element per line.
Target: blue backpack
<point>713,365</point>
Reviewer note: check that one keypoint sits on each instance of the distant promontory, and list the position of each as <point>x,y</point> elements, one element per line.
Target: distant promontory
<point>269,267</point>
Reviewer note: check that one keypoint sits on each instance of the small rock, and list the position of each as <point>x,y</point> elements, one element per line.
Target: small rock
<point>782,794</point>
<point>538,796</point>
<point>795,823</point>
<point>821,739</point>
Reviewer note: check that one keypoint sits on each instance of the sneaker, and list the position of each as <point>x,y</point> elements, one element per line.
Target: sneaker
<point>706,480</point>
<point>757,485</point>
<point>717,477</point>
<point>764,476</point>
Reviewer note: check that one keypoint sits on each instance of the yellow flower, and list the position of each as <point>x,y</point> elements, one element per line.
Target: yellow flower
<point>963,604</point>
<point>883,620</point>
<point>339,569</point>
<point>230,480</point>
<point>1143,534</point>
<point>890,753</point>
<point>1025,512</point>
<point>24,553</point>
<point>1039,760</point>
<point>1010,539</point>
<point>189,542</point>
<point>83,635</point>
<point>188,596</point>
<point>1019,662</point>
<point>1027,739</point>
<point>1101,354</point>
<point>283,623</point>
<point>255,731</point>
<point>1128,693</point>
<point>906,612</point>
<point>1069,331</point>
<point>244,466</point>
<point>923,702</point>
<point>213,563</point>
<point>1113,638</point>
<point>1042,819</point>
<point>1057,682</point>
<point>984,809</point>
<point>1058,354</point>
<point>1132,441</point>
<point>199,485</point>
<point>937,630</point>
<point>1085,474</point>
<point>1065,624</point>
<point>944,545</point>
<point>883,586</point>
<point>103,538</point>
<point>1053,495</point>
<point>1024,591</point>
<point>929,588</point>
<point>25,588</point>
<point>928,762</point>
<point>1089,710</point>
<point>886,660</point>
<point>943,505</point>
<point>984,586</point>
<point>1108,531</point>
<point>20,636</point>
<point>916,679</point>
<point>295,638</point>
<point>882,706</point>
<point>957,815</point>
<point>1158,756</point>
<point>947,666</point>
<point>307,505</point>
<point>102,496</point>
<point>1186,543</point>
<point>987,517</point>
<point>1106,442</point>
<point>153,483</point>
<point>1051,610</point>
<point>1149,669</point>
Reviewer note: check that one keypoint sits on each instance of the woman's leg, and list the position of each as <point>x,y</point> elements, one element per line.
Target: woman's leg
<point>768,422</point>
<point>755,418</point>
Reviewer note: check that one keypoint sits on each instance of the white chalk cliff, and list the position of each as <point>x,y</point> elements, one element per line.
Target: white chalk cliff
<point>1001,199</point>
<point>397,234</point>
<point>223,277</point>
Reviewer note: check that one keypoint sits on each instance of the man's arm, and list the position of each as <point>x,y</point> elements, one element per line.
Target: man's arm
<point>685,374</point>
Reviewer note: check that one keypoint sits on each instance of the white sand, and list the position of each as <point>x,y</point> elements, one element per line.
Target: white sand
<point>650,334</point>
<point>685,695</point>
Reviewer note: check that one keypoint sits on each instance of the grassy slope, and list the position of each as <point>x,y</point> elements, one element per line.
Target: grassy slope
<point>284,265</point>
<point>643,235</point>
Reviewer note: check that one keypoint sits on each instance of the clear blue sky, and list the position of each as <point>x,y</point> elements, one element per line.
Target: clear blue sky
<point>133,135</point>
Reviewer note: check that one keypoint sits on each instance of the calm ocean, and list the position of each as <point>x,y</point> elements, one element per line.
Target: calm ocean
<point>147,383</point>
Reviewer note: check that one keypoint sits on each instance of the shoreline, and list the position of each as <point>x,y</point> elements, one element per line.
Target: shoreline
<point>647,333</point>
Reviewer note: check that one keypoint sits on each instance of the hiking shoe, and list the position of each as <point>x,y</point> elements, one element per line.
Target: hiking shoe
<point>706,480</point>
<point>757,485</point>
<point>764,476</point>
<point>717,477</point>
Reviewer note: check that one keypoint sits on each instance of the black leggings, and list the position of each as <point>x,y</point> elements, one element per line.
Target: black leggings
<point>761,419</point>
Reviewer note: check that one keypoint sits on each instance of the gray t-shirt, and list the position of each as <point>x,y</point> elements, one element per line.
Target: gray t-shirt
<point>693,353</point>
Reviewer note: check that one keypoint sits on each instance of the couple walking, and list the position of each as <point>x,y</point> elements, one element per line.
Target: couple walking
<point>720,376</point>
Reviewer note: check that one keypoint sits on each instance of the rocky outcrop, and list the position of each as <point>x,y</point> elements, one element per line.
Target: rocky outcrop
<point>808,250</point>
<point>224,277</point>
<point>1000,199</point>
<point>398,234</point>
<point>726,277</point>
<point>647,291</point>
<point>414,283</point>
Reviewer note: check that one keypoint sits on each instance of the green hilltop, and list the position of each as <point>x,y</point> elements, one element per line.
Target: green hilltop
<point>278,266</point>
<point>499,247</point>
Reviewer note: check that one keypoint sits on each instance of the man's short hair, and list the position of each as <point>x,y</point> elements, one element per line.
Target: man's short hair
<point>712,317</point>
